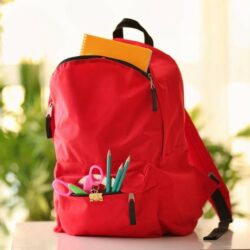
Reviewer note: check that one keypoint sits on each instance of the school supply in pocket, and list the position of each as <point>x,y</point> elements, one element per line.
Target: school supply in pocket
<point>108,183</point>
<point>98,179</point>
<point>96,176</point>
<point>98,102</point>
<point>138,56</point>
<point>92,184</point>
<point>117,179</point>
<point>92,180</point>
<point>66,189</point>
<point>121,179</point>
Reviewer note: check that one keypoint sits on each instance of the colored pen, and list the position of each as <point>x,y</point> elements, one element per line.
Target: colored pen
<point>123,174</point>
<point>117,178</point>
<point>76,190</point>
<point>108,182</point>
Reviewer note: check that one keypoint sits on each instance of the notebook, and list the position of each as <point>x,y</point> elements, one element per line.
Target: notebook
<point>136,55</point>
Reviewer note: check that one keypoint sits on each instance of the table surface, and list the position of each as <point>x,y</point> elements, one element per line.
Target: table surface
<point>40,235</point>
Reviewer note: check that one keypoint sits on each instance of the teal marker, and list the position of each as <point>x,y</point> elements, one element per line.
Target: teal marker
<point>117,178</point>
<point>108,182</point>
<point>123,174</point>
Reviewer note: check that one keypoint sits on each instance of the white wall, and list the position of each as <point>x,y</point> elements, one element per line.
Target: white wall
<point>210,40</point>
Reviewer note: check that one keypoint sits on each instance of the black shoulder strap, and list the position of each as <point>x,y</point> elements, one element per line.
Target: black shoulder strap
<point>224,215</point>
<point>202,160</point>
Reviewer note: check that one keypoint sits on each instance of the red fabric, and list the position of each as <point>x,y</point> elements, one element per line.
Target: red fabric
<point>101,104</point>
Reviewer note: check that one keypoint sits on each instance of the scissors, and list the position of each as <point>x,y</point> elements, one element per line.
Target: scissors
<point>66,189</point>
<point>92,180</point>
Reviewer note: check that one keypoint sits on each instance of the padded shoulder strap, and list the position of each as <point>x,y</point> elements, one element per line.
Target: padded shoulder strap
<point>201,159</point>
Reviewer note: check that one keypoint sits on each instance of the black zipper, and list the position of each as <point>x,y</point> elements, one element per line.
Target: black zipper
<point>86,195</point>
<point>105,57</point>
<point>145,74</point>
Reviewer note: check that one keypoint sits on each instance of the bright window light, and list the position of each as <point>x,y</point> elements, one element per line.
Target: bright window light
<point>239,23</point>
<point>192,96</point>
<point>238,106</point>
<point>13,97</point>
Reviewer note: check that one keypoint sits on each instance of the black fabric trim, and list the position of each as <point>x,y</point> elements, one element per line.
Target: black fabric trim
<point>154,99</point>
<point>132,217</point>
<point>224,215</point>
<point>217,232</point>
<point>48,127</point>
<point>130,23</point>
<point>221,206</point>
<point>74,58</point>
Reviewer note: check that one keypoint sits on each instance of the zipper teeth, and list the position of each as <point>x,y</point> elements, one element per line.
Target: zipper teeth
<point>108,58</point>
<point>152,85</point>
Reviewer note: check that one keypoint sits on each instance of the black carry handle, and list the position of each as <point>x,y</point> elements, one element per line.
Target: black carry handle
<point>130,23</point>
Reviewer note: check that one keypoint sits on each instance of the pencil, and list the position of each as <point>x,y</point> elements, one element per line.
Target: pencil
<point>108,182</point>
<point>117,178</point>
<point>123,174</point>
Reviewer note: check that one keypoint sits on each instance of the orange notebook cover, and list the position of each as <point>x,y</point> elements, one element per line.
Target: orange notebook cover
<point>136,55</point>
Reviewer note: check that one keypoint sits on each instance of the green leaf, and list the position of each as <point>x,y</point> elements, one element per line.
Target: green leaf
<point>245,132</point>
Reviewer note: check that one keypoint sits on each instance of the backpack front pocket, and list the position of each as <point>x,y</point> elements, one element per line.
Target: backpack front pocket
<point>113,216</point>
<point>129,214</point>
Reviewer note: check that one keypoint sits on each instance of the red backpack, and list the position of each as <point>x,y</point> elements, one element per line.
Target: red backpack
<point>98,103</point>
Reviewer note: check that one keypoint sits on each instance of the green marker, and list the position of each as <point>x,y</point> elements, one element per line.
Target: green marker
<point>108,181</point>
<point>76,190</point>
<point>123,174</point>
<point>117,178</point>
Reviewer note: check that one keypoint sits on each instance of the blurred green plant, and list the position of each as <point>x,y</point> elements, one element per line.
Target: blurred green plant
<point>245,132</point>
<point>223,158</point>
<point>27,157</point>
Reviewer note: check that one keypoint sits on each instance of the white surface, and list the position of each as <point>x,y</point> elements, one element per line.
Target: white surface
<point>39,235</point>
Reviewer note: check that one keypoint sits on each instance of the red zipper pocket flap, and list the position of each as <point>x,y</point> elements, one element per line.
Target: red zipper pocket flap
<point>119,214</point>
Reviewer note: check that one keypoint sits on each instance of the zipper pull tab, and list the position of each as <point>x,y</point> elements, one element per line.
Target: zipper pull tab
<point>49,110</point>
<point>131,204</point>
<point>153,93</point>
<point>48,121</point>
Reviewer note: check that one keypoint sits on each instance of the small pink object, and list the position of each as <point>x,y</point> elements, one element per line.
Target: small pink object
<point>91,180</point>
